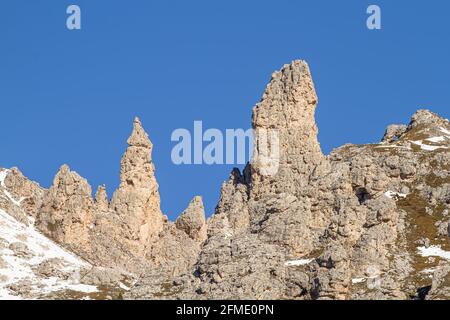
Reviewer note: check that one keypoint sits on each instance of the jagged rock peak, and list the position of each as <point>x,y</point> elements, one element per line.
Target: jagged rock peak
<point>67,211</point>
<point>426,117</point>
<point>101,199</point>
<point>393,132</point>
<point>137,199</point>
<point>284,119</point>
<point>65,177</point>
<point>192,220</point>
<point>139,137</point>
<point>289,98</point>
<point>136,168</point>
<point>63,170</point>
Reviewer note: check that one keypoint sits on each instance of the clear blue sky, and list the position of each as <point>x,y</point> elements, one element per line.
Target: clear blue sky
<point>70,96</point>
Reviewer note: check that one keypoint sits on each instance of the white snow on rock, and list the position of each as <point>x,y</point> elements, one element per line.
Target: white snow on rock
<point>445,131</point>
<point>392,194</point>
<point>394,146</point>
<point>3,175</point>
<point>427,147</point>
<point>358,280</point>
<point>19,267</point>
<point>124,287</point>
<point>299,262</point>
<point>436,139</point>
<point>434,251</point>
<point>428,272</point>
<point>364,279</point>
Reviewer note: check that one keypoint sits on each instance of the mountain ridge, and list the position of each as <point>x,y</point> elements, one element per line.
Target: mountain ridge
<point>364,222</point>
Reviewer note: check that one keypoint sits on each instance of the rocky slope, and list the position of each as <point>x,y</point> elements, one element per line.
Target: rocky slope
<point>365,222</point>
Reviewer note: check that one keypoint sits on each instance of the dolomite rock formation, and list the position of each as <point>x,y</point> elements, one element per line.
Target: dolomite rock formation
<point>101,202</point>
<point>19,196</point>
<point>365,222</point>
<point>67,213</point>
<point>137,200</point>
<point>346,226</point>
<point>192,220</point>
<point>129,233</point>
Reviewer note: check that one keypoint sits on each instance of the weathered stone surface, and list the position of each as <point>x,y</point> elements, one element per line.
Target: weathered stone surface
<point>393,132</point>
<point>192,220</point>
<point>67,213</point>
<point>101,202</point>
<point>19,196</point>
<point>365,222</point>
<point>137,201</point>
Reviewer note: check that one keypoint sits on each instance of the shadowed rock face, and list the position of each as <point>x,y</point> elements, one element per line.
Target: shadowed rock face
<point>365,222</point>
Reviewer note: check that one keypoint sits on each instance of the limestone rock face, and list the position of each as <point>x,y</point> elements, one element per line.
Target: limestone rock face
<point>426,117</point>
<point>393,132</point>
<point>66,214</point>
<point>192,220</point>
<point>287,110</point>
<point>19,196</point>
<point>346,226</point>
<point>101,202</point>
<point>137,201</point>
<point>365,222</point>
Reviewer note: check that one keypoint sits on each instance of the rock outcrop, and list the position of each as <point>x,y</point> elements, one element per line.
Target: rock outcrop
<point>344,226</point>
<point>66,214</point>
<point>137,201</point>
<point>129,232</point>
<point>192,220</point>
<point>101,202</point>
<point>365,222</point>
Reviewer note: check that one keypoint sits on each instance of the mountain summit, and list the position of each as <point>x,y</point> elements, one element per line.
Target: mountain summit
<point>365,222</point>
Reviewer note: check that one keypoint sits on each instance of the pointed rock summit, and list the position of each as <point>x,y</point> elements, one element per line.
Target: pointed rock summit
<point>366,222</point>
<point>192,220</point>
<point>139,137</point>
<point>101,199</point>
<point>286,112</point>
<point>67,211</point>
<point>425,117</point>
<point>137,200</point>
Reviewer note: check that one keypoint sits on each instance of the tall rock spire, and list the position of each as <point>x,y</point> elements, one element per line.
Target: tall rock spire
<point>137,200</point>
<point>287,158</point>
<point>286,112</point>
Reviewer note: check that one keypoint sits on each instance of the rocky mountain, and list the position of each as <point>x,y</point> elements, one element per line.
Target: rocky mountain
<point>364,222</point>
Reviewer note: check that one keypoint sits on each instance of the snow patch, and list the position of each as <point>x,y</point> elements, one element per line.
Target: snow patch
<point>434,251</point>
<point>436,139</point>
<point>364,279</point>
<point>427,147</point>
<point>392,194</point>
<point>392,146</point>
<point>40,248</point>
<point>3,175</point>
<point>428,271</point>
<point>299,262</point>
<point>445,131</point>
<point>124,287</point>
<point>358,280</point>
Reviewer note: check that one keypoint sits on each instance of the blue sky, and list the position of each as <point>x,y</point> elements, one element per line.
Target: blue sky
<point>70,96</point>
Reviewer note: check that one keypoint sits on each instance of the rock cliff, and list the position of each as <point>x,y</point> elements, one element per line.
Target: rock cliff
<point>364,222</point>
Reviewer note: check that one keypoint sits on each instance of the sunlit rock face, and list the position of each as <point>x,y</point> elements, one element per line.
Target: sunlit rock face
<point>365,222</point>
